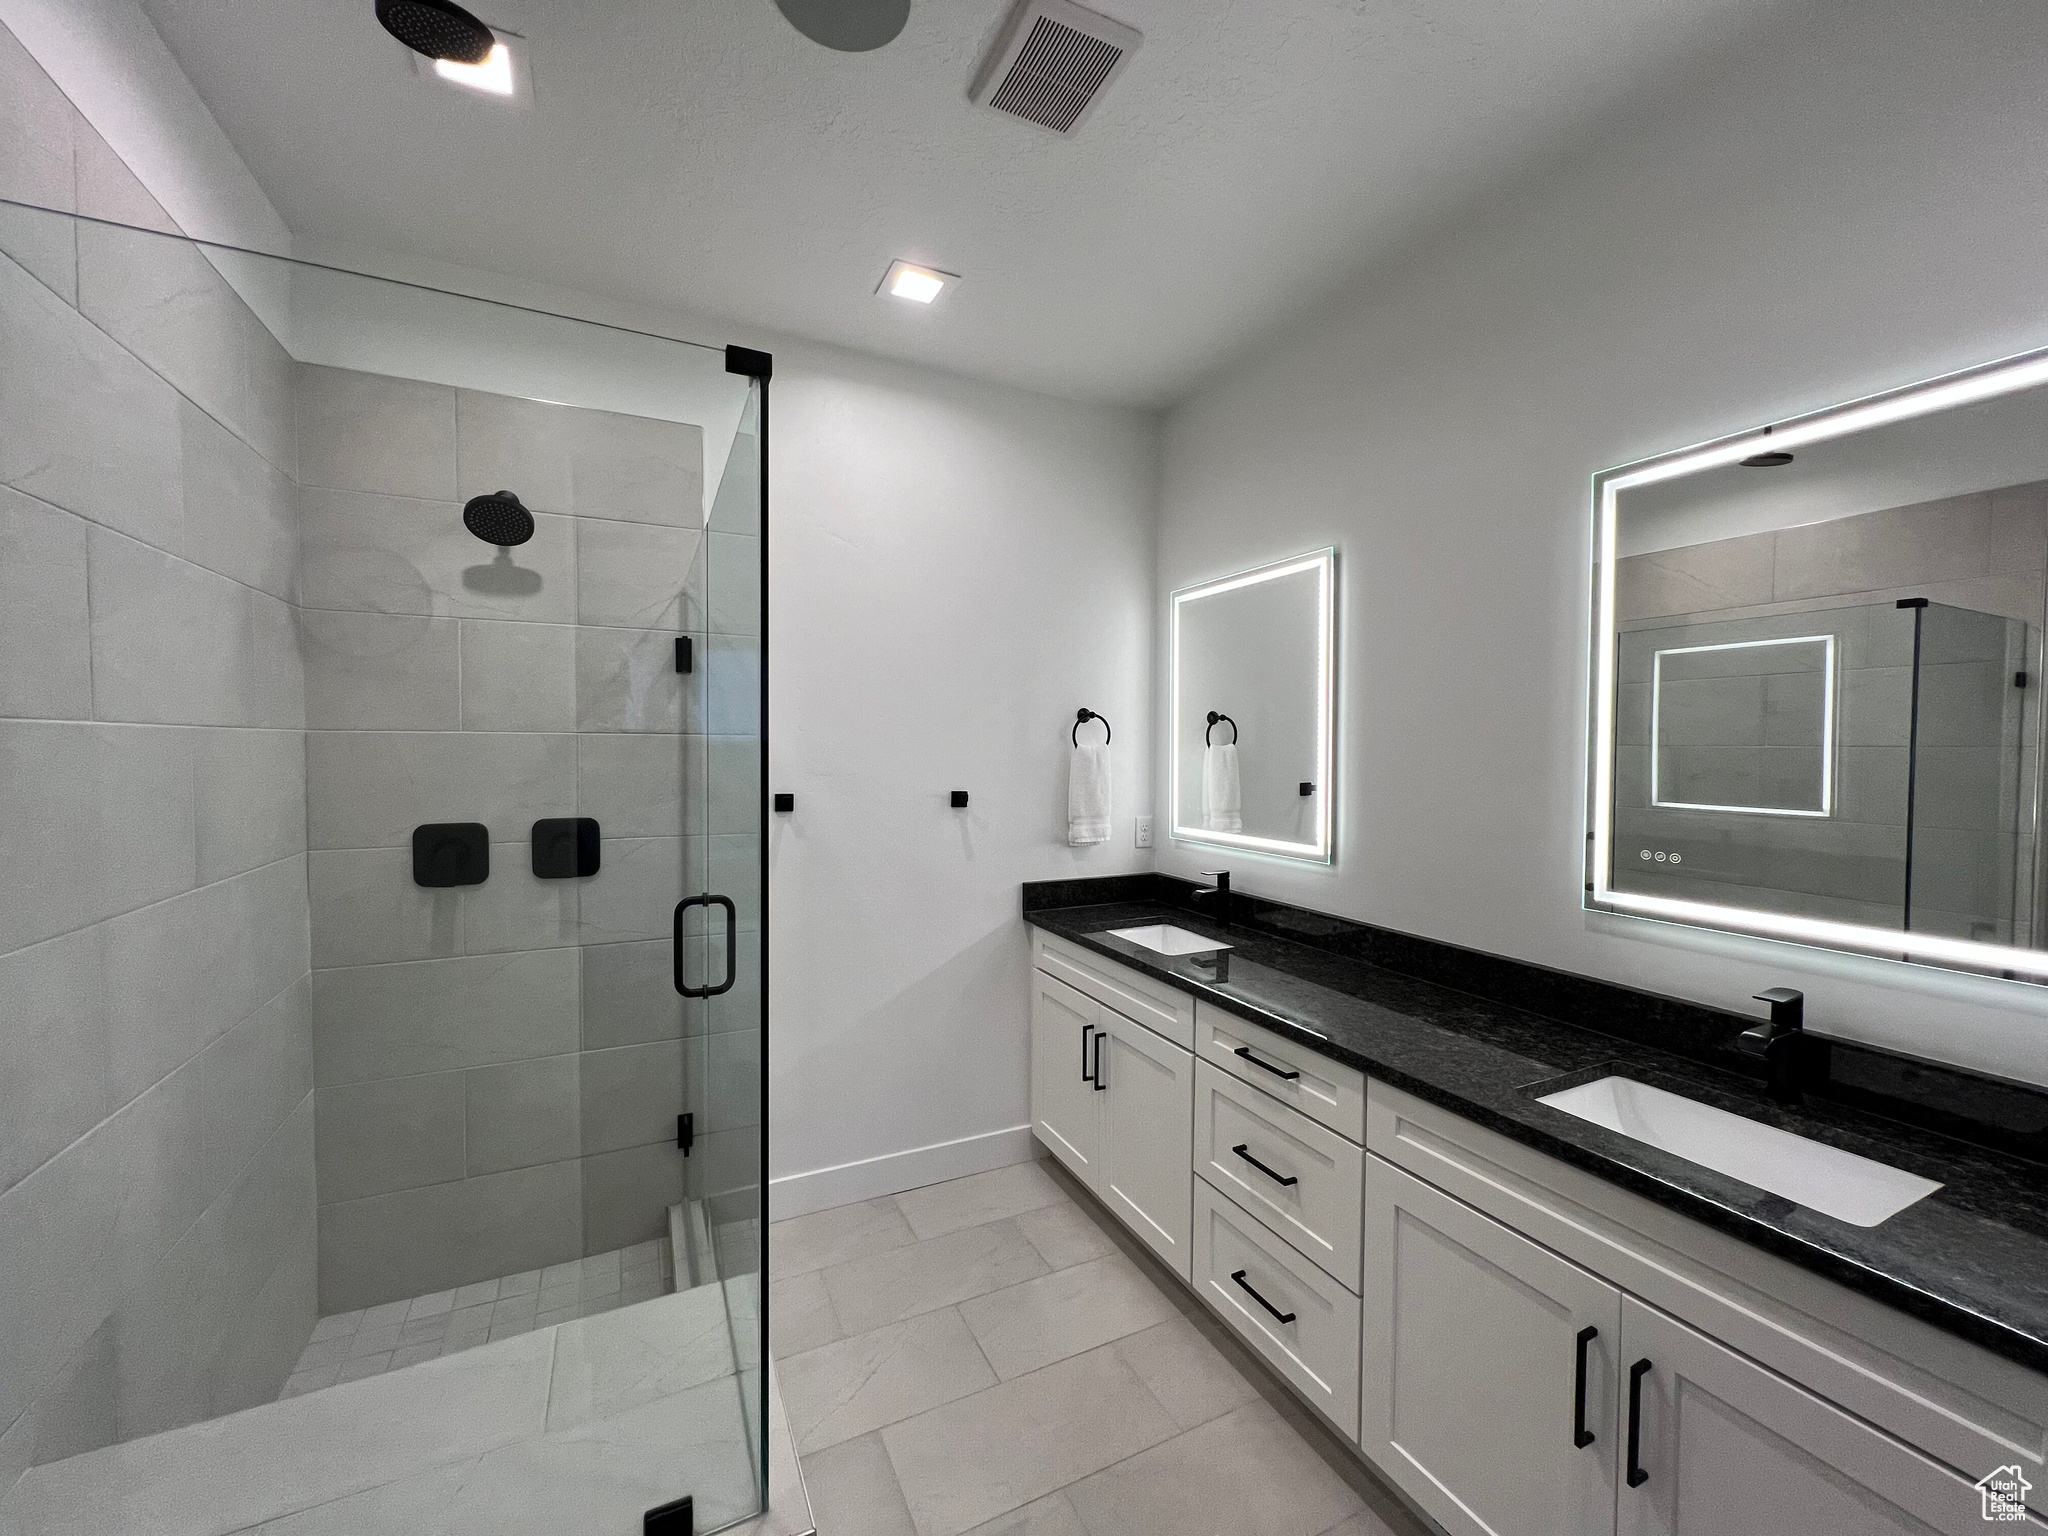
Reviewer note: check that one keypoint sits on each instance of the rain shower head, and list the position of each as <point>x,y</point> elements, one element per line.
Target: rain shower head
<point>498,518</point>
<point>440,29</point>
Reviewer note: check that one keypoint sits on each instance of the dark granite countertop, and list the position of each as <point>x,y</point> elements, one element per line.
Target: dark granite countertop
<point>1972,1258</point>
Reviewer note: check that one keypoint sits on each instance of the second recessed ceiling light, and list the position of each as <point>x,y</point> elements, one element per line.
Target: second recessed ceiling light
<point>918,284</point>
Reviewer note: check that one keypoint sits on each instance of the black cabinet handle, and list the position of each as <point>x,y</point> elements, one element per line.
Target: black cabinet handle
<point>1086,1031</point>
<point>1637,1476</point>
<point>1100,1035</point>
<point>1239,1149</point>
<point>1246,1052</point>
<point>1285,1317</point>
<point>732,945</point>
<point>1581,1436</point>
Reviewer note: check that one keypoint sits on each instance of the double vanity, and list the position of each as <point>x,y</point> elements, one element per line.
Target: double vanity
<point>1546,1277</point>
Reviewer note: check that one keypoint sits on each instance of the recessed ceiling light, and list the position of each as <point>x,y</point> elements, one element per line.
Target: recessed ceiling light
<point>920,285</point>
<point>493,75</point>
<point>503,75</point>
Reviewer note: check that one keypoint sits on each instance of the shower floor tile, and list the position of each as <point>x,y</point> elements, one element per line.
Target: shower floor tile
<point>351,1345</point>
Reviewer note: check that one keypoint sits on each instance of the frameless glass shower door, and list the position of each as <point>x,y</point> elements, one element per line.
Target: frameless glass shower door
<point>385,743</point>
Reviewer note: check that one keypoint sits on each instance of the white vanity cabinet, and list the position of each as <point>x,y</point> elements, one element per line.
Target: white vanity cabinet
<point>1114,1098</point>
<point>1726,1448</point>
<point>1476,1341</point>
<point>1064,1106</point>
<point>1492,1327</point>
<point>1146,1086</point>
<point>1758,1398</point>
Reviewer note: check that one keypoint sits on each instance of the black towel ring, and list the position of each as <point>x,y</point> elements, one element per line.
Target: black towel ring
<point>1213,718</point>
<point>1082,717</point>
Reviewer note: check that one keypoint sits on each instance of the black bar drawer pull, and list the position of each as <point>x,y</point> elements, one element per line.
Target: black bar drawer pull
<point>1246,1052</point>
<point>1285,1317</point>
<point>1581,1436</point>
<point>1100,1036</point>
<point>1239,1149</point>
<point>1086,1031</point>
<point>1637,1475</point>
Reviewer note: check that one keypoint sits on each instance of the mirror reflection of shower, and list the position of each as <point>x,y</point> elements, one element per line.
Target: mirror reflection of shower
<point>499,518</point>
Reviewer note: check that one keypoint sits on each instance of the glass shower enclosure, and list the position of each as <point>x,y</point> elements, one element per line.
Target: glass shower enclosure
<point>383,1134</point>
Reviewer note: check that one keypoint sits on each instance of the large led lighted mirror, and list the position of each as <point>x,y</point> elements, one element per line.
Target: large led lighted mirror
<point>1252,690</point>
<point>1817,678</point>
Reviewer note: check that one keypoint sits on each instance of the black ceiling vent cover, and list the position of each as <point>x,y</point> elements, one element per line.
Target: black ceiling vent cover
<point>1052,63</point>
<point>440,29</point>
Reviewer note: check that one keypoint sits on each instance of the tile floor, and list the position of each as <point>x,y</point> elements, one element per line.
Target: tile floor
<point>570,1430</point>
<point>352,1345</point>
<point>995,1356</point>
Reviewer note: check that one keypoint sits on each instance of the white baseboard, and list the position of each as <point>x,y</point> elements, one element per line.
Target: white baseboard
<point>798,1194</point>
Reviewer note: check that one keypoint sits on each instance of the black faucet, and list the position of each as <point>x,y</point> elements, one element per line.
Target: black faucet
<point>1782,1043</point>
<point>1220,890</point>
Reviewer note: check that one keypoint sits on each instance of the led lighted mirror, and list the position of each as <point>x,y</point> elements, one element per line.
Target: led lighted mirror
<point>1252,691</point>
<point>1817,678</point>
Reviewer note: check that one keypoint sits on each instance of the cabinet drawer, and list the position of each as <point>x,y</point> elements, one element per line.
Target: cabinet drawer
<point>1297,1176</point>
<point>1316,1345</point>
<point>1152,1003</point>
<point>1320,1088</point>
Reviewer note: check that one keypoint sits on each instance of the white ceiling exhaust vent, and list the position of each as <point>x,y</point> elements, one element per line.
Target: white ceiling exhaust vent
<point>1052,63</point>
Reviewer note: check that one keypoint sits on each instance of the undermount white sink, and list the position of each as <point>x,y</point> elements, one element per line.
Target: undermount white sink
<point>1826,1179</point>
<point>1165,939</point>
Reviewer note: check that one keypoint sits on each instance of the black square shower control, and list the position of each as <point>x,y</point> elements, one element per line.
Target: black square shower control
<point>451,853</point>
<point>564,847</point>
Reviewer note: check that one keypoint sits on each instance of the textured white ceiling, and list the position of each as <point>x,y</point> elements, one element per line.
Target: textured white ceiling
<point>699,154</point>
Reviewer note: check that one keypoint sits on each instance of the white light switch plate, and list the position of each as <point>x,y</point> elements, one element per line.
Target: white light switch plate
<point>1144,839</point>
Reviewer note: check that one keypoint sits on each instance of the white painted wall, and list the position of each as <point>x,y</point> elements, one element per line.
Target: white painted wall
<point>1856,203</point>
<point>955,569</point>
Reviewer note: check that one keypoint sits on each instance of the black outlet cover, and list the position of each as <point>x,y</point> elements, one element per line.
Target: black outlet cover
<point>451,853</point>
<point>565,847</point>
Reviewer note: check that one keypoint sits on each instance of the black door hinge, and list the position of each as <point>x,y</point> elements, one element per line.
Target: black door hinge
<point>677,1519</point>
<point>686,1132</point>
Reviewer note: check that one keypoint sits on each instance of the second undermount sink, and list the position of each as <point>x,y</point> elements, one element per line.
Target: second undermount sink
<point>1165,939</point>
<point>1826,1179</point>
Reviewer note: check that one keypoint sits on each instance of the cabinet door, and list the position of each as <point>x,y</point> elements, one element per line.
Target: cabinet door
<point>1471,1366</point>
<point>1144,1154</point>
<point>1729,1448</point>
<point>1064,1111</point>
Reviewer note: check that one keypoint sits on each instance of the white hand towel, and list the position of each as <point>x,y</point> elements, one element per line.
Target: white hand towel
<point>1222,797</point>
<point>1088,795</point>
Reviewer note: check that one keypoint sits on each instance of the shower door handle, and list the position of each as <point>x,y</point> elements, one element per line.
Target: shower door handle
<point>732,945</point>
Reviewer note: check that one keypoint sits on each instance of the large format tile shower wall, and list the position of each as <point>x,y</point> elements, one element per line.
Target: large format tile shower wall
<point>156,1126</point>
<point>500,1066</point>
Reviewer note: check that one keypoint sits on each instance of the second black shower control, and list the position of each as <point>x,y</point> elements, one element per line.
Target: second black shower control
<point>565,847</point>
